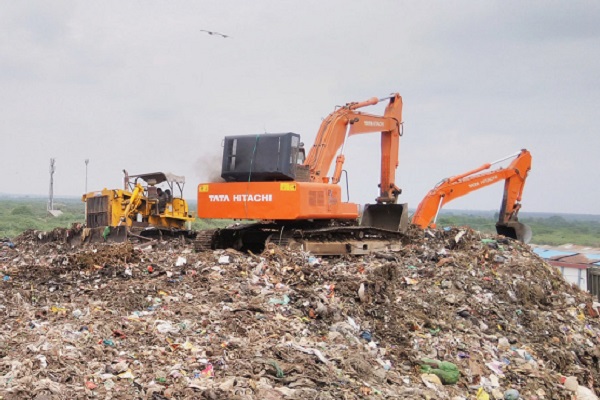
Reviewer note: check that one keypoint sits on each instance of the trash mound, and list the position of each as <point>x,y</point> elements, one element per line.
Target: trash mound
<point>32,236</point>
<point>455,314</point>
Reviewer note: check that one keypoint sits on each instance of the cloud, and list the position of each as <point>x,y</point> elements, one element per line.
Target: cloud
<point>142,88</point>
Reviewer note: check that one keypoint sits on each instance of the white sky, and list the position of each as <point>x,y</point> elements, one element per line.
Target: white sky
<point>136,85</point>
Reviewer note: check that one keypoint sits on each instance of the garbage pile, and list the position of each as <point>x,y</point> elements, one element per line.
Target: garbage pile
<point>453,315</point>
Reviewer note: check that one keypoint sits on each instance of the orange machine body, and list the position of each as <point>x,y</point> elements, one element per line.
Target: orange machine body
<point>317,195</point>
<point>449,189</point>
<point>273,201</point>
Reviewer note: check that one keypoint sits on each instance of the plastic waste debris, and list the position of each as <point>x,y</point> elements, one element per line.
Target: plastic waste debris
<point>447,372</point>
<point>432,381</point>
<point>224,259</point>
<point>482,394</point>
<point>571,383</point>
<point>312,261</point>
<point>208,372</point>
<point>282,301</point>
<point>106,233</point>
<point>90,385</point>
<point>511,394</point>
<point>584,393</point>
<point>126,375</point>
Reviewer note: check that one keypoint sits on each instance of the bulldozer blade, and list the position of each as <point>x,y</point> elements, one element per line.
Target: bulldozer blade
<point>116,234</point>
<point>391,217</point>
<point>515,230</point>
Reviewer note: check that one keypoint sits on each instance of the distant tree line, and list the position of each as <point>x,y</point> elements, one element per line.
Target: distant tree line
<point>18,215</point>
<point>554,230</point>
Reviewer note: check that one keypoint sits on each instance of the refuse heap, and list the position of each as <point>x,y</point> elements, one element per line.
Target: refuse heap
<point>455,314</point>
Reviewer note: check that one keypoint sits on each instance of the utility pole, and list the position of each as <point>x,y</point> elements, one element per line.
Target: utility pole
<point>51,210</point>
<point>51,195</point>
<point>87,160</point>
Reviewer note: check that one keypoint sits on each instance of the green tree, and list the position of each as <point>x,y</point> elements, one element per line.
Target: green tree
<point>22,210</point>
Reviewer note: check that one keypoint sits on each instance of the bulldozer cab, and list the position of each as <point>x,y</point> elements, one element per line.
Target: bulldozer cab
<point>173,205</point>
<point>151,180</point>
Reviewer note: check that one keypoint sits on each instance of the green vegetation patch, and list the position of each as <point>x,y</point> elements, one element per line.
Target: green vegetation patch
<point>554,230</point>
<point>18,215</point>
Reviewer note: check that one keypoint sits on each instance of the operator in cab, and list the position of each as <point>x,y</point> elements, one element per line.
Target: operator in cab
<point>162,200</point>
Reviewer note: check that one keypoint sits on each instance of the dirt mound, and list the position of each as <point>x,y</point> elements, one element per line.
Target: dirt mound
<point>156,321</point>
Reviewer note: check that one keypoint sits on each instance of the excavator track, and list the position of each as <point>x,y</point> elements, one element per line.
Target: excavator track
<point>163,233</point>
<point>204,240</point>
<point>334,240</point>
<point>355,240</point>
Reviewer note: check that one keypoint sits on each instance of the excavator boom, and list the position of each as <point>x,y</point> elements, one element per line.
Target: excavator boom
<point>514,177</point>
<point>345,122</point>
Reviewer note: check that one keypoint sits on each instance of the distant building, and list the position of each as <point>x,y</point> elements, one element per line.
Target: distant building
<point>579,268</point>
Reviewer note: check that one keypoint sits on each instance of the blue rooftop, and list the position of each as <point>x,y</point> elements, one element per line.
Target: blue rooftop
<point>546,253</point>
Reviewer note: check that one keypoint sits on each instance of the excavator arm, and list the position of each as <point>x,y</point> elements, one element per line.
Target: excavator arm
<point>345,122</point>
<point>514,177</point>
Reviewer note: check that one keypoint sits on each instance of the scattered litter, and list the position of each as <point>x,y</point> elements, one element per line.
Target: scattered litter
<point>282,301</point>
<point>453,314</point>
<point>224,260</point>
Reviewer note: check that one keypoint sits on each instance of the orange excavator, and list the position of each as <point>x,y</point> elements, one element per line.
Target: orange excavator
<point>514,176</point>
<point>268,178</point>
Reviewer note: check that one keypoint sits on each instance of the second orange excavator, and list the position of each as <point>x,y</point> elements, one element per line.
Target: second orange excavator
<point>268,178</point>
<point>514,176</point>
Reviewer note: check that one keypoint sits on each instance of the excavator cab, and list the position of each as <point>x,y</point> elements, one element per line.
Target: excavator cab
<point>264,158</point>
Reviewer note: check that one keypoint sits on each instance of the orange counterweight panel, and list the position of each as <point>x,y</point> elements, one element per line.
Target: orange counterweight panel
<point>273,201</point>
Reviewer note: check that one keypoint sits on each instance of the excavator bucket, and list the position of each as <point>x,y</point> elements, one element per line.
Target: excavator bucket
<point>391,217</point>
<point>515,230</point>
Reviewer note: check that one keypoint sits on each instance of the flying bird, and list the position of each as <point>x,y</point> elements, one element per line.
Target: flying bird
<point>215,33</point>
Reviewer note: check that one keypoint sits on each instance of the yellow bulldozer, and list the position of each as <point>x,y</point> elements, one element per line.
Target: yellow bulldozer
<point>145,207</point>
